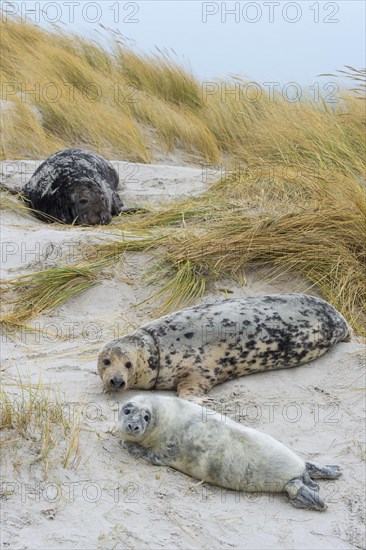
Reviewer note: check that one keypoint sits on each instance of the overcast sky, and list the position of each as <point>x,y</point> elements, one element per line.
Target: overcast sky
<point>263,40</point>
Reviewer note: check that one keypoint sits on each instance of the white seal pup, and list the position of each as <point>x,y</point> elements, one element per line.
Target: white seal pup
<point>197,348</point>
<point>169,431</point>
<point>75,186</point>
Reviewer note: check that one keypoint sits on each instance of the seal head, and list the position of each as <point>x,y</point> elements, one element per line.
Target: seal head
<point>129,361</point>
<point>114,366</point>
<point>135,422</point>
<point>89,204</point>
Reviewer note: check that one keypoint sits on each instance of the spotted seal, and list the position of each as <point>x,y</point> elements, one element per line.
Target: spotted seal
<point>169,431</point>
<point>74,186</point>
<point>197,348</point>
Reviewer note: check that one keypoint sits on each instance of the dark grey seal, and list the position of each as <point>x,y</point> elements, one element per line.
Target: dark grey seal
<point>74,186</point>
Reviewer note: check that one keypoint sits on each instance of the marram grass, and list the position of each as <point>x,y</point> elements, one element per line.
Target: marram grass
<point>293,200</point>
<point>183,285</point>
<point>321,239</point>
<point>273,242</point>
<point>27,296</point>
<point>315,231</point>
<point>34,413</point>
<point>12,203</point>
<point>177,214</point>
<point>125,105</point>
<point>19,204</point>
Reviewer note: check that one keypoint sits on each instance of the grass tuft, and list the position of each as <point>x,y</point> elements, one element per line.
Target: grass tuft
<point>184,284</point>
<point>37,414</point>
<point>28,295</point>
<point>63,90</point>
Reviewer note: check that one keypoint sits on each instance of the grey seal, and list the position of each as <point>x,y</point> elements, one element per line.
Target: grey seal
<point>169,431</point>
<point>74,186</point>
<point>199,347</point>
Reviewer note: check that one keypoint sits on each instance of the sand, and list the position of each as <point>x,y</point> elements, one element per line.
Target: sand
<point>108,499</point>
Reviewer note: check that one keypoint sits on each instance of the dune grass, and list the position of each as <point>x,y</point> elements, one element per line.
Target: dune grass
<point>19,203</point>
<point>37,414</point>
<point>313,231</point>
<point>25,297</point>
<point>183,283</point>
<point>65,90</point>
<point>62,90</point>
<point>48,288</point>
<point>291,198</point>
<point>12,203</point>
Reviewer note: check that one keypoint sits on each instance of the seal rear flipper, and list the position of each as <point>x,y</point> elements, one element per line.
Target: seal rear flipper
<point>303,497</point>
<point>309,482</point>
<point>323,472</point>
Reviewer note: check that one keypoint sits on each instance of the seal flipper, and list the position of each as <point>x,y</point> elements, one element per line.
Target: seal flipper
<point>141,452</point>
<point>323,472</point>
<point>119,208</point>
<point>303,497</point>
<point>194,388</point>
<point>309,482</point>
<point>117,204</point>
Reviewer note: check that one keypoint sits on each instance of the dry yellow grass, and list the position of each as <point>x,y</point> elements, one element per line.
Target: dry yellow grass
<point>37,414</point>
<point>63,90</point>
<point>306,133</point>
<point>69,91</point>
<point>294,202</point>
<point>314,230</point>
<point>25,297</point>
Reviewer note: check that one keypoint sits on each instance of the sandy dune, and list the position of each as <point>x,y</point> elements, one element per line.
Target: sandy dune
<point>111,500</point>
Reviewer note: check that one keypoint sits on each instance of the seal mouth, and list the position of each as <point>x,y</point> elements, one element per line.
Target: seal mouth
<point>87,219</point>
<point>105,219</point>
<point>132,429</point>
<point>116,383</point>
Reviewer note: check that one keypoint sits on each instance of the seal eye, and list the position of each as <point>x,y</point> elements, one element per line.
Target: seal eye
<point>127,411</point>
<point>146,418</point>
<point>128,365</point>
<point>106,362</point>
<point>83,201</point>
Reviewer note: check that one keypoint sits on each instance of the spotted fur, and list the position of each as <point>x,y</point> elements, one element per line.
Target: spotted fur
<point>197,348</point>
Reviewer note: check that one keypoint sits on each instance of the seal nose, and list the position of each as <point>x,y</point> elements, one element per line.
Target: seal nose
<point>135,429</point>
<point>117,382</point>
<point>105,219</point>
